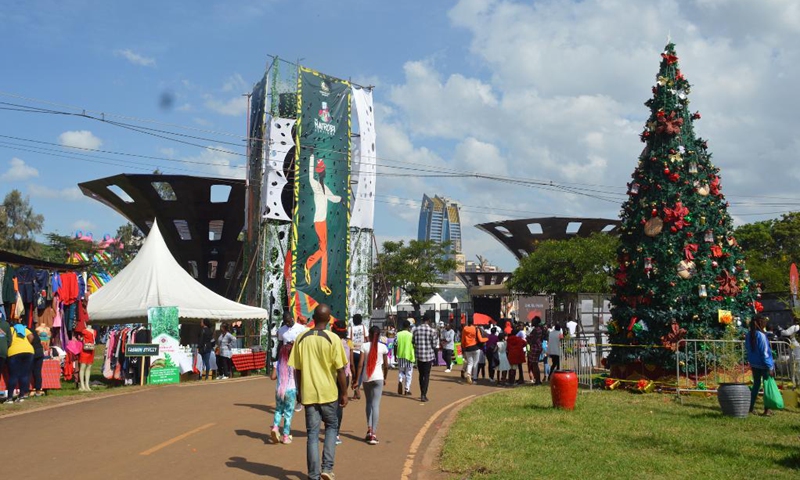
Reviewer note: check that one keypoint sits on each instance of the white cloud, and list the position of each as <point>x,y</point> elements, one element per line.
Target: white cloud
<point>212,161</point>
<point>554,92</point>
<point>235,83</point>
<point>168,152</point>
<point>136,58</point>
<point>18,170</point>
<point>236,106</point>
<point>70,193</point>
<point>186,107</point>
<point>84,225</point>
<point>80,139</point>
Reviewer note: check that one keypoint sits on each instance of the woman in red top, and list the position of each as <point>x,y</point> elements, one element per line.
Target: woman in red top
<point>516,356</point>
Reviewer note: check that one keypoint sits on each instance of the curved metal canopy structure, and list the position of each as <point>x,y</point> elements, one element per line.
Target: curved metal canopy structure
<point>522,236</point>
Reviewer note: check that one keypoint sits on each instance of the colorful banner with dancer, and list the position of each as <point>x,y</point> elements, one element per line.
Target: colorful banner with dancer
<point>320,243</point>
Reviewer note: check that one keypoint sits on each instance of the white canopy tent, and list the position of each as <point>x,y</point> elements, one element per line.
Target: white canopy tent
<point>155,279</point>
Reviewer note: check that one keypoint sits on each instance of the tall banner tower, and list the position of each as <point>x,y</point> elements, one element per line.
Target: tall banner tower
<point>321,214</point>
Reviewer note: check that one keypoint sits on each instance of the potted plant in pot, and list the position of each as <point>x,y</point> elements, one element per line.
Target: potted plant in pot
<point>733,395</point>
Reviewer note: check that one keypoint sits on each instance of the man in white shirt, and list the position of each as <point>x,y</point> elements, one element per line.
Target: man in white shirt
<point>554,348</point>
<point>572,327</point>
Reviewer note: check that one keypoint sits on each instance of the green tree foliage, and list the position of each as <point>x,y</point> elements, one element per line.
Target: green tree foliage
<point>129,241</point>
<point>577,265</point>
<point>678,257</point>
<point>20,224</point>
<point>414,267</point>
<point>771,246</point>
<point>59,247</point>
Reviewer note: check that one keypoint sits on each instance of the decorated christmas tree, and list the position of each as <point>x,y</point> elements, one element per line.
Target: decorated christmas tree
<point>681,273</point>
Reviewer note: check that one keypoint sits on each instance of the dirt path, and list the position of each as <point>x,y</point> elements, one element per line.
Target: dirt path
<point>221,430</point>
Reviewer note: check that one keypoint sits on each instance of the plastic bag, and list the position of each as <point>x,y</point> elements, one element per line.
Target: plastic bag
<point>773,400</point>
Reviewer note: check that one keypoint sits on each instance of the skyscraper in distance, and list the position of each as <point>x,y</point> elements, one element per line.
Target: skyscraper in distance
<point>440,221</point>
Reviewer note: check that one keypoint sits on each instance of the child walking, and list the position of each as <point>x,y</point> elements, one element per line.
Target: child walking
<point>285,396</point>
<point>503,366</point>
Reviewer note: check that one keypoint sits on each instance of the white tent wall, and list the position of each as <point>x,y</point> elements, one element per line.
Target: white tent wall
<point>155,279</point>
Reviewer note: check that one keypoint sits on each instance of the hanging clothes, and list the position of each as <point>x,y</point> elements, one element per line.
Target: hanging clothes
<point>69,288</point>
<point>9,291</point>
<point>25,279</point>
<point>41,282</point>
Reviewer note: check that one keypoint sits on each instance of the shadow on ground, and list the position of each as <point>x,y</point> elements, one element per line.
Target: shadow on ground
<point>255,406</point>
<point>263,469</point>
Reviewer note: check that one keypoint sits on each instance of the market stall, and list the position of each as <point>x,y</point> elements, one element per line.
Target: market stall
<point>153,280</point>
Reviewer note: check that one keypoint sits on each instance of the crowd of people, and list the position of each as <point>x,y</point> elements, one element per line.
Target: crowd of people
<point>318,365</point>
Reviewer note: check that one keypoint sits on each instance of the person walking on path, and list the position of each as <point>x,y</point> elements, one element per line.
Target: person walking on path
<point>535,337</point>
<point>516,357</point>
<point>554,349</point>
<point>357,334</point>
<point>226,342</point>
<point>285,393</point>
<point>20,359</point>
<point>425,342</point>
<point>319,362</point>
<point>502,356</point>
<point>374,355</point>
<point>471,340</point>
<point>759,355</point>
<point>491,352</point>
<point>205,346</point>
<point>5,342</point>
<point>448,346</point>
<point>340,328</point>
<point>404,352</point>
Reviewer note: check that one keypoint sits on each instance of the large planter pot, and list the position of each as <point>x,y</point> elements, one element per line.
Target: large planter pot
<point>734,399</point>
<point>564,389</point>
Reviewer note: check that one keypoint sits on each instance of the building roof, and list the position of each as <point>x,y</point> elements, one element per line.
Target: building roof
<point>201,232</point>
<point>522,236</point>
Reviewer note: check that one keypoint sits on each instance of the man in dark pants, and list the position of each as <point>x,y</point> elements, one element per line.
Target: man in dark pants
<point>318,359</point>
<point>5,342</point>
<point>425,343</point>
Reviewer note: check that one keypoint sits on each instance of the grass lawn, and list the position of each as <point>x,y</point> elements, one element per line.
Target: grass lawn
<point>616,434</point>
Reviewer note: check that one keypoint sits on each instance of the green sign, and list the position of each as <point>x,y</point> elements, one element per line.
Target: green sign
<point>163,376</point>
<point>164,327</point>
<point>321,217</point>
<point>141,350</point>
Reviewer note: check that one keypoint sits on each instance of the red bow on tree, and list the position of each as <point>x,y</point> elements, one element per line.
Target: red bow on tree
<point>714,186</point>
<point>669,124</point>
<point>727,284</point>
<point>675,215</point>
<point>670,58</point>
<point>689,250</point>
<point>675,335</point>
<point>621,277</point>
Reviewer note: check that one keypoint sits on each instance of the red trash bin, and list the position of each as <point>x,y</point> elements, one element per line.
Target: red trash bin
<point>564,389</point>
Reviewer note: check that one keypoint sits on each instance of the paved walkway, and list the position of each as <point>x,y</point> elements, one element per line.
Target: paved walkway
<point>220,429</point>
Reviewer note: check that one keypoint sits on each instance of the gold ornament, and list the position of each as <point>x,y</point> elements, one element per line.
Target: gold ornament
<point>653,227</point>
<point>675,157</point>
<point>703,190</point>
<point>686,269</point>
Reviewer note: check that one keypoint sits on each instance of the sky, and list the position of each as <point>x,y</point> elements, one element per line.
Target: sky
<point>531,91</point>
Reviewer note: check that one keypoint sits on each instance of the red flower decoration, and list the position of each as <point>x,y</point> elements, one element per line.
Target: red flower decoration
<point>716,251</point>
<point>727,284</point>
<point>758,306</point>
<point>714,186</point>
<point>696,116</point>
<point>669,124</point>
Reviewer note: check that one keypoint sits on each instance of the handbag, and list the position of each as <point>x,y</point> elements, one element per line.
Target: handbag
<point>773,400</point>
<point>88,347</point>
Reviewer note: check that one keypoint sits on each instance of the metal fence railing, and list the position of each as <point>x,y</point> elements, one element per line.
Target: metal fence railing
<point>702,365</point>
<point>584,354</point>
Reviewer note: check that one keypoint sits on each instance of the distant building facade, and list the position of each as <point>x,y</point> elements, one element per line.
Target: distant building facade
<point>440,221</point>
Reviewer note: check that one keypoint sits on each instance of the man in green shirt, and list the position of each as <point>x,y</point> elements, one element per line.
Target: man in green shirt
<point>318,359</point>
<point>404,353</point>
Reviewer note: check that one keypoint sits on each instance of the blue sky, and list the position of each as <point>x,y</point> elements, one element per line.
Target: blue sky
<point>547,90</point>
